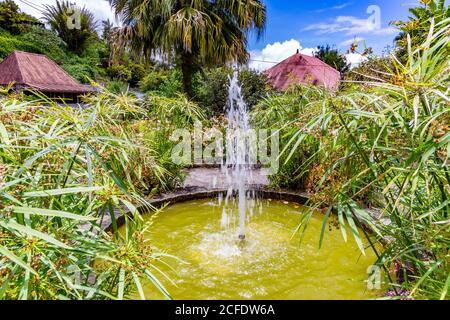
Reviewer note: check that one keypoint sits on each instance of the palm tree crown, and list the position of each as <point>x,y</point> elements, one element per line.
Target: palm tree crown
<point>193,32</point>
<point>76,34</point>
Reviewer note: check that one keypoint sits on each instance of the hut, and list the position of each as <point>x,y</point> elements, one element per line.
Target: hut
<point>303,69</point>
<point>27,72</point>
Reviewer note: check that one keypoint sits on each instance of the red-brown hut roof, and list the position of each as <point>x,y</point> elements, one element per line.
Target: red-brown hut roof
<point>37,72</point>
<point>300,68</point>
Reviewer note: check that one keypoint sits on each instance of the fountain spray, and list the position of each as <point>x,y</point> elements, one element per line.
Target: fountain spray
<point>237,165</point>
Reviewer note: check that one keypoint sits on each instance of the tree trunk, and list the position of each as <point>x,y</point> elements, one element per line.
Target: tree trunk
<point>187,68</point>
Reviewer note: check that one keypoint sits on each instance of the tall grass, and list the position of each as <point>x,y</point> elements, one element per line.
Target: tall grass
<point>379,157</point>
<point>63,171</point>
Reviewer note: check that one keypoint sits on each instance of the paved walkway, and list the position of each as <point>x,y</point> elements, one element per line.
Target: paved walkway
<point>214,178</point>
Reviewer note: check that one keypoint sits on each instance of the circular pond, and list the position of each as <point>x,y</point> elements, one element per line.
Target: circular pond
<point>270,263</point>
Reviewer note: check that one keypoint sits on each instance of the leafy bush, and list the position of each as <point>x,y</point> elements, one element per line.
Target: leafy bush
<point>380,69</point>
<point>14,21</point>
<point>48,43</point>
<point>117,86</point>
<point>9,44</point>
<point>166,83</point>
<point>332,57</point>
<point>82,72</point>
<point>63,172</point>
<point>153,80</point>
<point>138,72</point>
<point>378,158</point>
<point>211,88</point>
<point>119,72</point>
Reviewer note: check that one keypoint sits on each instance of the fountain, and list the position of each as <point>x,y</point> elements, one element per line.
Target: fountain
<point>270,263</point>
<point>239,156</point>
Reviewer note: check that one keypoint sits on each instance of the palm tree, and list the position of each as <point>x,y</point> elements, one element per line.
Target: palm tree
<point>192,33</point>
<point>107,27</point>
<point>75,25</point>
<point>418,24</point>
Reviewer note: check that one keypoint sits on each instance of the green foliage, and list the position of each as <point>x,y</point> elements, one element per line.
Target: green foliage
<point>177,110</point>
<point>138,72</point>
<point>77,38</point>
<point>373,69</point>
<point>378,155</point>
<point>80,71</point>
<point>10,44</point>
<point>166,83</point>
<point>332,57</point>
<point>153,80</point>
<point>119,72</point>
<point>254,86</point>
<point>419,23</point>
<point>14,21</point>
<point>47,41</point>
<point>211,88</point>
<point>117,86</point>
<point>63,173</point>
<point>132,73</point>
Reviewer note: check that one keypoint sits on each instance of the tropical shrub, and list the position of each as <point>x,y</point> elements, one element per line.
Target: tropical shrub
<point>47,41</point>
<point>166,83</point>
<point>119,72</point>
<point>418,24</point>
<point>117,86</point>
<point>153,80</point>
<point>14,21</point>
<point>138,72</point>
<point>64,175</point>
<point>82,72</point>
<point>379,158</point>
<point>10,44</point>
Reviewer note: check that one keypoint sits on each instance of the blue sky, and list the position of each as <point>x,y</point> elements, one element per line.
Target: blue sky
<point>301,24</point>
<point>322,22</point>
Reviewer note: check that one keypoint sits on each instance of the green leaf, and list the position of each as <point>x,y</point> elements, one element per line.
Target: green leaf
<point>11,256</point>
<point>52,213</point>
<point>56,192</point>
<point>157,284</point>
<point>342,223</point>
<point>354,230</point>
<point>11,224</point>
<point>138,286</point>
<point>425,276</point>
<point>4,135</point>
<point>446,286</point>
<point>324,225</point>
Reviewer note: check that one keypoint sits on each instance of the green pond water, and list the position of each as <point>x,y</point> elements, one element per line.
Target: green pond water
<point>269,264</point>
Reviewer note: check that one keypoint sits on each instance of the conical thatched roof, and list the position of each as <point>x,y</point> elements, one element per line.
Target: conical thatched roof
<point>37,72</point>
<point>301,68</point>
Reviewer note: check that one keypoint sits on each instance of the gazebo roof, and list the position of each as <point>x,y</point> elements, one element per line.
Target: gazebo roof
<point>38,72</point>
<point>301,68</point>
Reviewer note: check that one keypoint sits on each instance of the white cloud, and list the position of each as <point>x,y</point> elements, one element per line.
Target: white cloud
<point>336,7</point>
<point>100,8</point>
<point>350,25</point>
<point>355,59</point>
<point>276,52</point>
<point>349,42</point>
